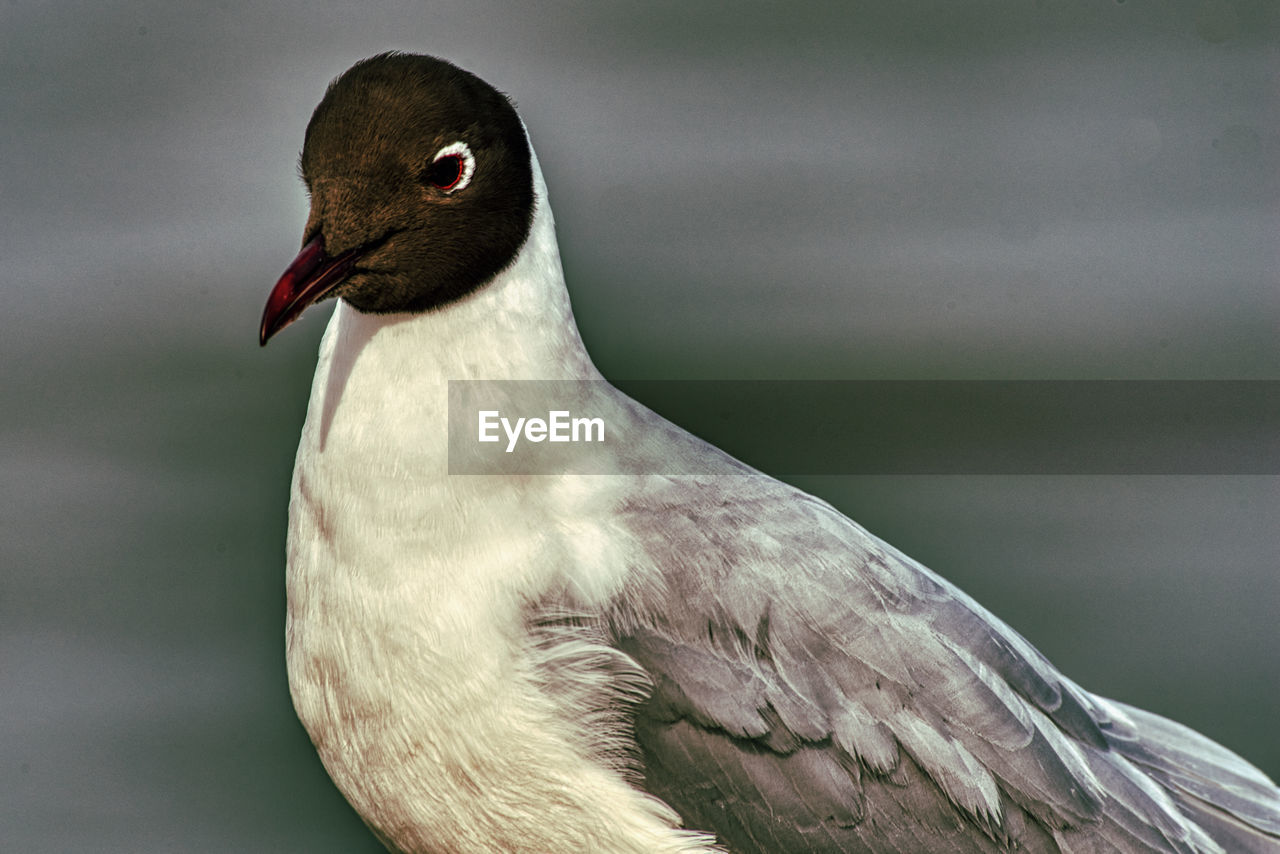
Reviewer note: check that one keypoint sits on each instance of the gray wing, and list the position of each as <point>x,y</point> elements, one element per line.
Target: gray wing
<point>814,690</point>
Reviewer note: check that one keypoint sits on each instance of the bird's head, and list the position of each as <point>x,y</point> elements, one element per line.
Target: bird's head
<point>421,187</point>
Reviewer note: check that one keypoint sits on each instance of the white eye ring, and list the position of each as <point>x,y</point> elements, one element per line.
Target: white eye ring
<point>466,163</point>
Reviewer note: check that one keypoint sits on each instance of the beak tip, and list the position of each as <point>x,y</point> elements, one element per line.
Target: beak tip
<point>269,325</point>
<point>308,278</point>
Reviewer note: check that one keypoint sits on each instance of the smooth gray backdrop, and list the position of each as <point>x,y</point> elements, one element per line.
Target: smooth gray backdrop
<point>897,189</point>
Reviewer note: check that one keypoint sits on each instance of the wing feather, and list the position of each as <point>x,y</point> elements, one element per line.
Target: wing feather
<point>817,691</point>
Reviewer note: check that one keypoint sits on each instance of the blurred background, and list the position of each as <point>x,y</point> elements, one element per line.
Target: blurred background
<point>897,189</point>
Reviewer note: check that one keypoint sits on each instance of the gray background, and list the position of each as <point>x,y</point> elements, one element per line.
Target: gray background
<point>747,190</point>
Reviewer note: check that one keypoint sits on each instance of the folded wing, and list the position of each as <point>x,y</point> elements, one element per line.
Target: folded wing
<point>817,691</point>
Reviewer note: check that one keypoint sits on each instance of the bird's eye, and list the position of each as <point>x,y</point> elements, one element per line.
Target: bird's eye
<point>451,169</point>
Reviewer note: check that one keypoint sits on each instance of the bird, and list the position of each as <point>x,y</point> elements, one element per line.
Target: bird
<point>683,657</point>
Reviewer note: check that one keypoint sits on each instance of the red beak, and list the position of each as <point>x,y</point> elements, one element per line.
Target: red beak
<point>310,277</point>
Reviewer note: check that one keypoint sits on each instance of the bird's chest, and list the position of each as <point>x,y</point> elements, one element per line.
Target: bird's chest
<point>409,660</point>
<point>405,606</point>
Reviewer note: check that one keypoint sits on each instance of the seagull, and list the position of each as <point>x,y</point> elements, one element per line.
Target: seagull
<point>686,656</point>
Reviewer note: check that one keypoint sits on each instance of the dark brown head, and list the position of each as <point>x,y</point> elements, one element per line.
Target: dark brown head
<point>421,189</point>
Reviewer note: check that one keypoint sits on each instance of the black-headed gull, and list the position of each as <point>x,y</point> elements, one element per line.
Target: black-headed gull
<point>647,662</point>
